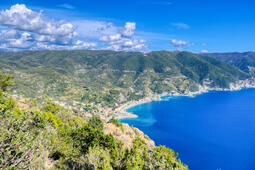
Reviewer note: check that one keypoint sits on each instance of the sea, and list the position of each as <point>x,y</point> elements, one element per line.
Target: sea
<point>214,130</point>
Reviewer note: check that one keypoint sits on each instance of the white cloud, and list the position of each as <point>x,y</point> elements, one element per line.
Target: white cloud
<point>124,39</point>
<point>6,34</point>
<point>24,28</point>
<point>93,28</point>
<point>115,37</point>
<point>204,51</point>
<point>179,43</point>
<point>82,44</point>
<point>21,18</point>
<point>27,29</point>
<point>129,29</point>
<point>77,45</point>
<point>181,25</point>
<point>12,39</point>
<point>67,6</point>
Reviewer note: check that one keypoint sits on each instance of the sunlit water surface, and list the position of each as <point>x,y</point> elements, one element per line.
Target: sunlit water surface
<point>215,130</point>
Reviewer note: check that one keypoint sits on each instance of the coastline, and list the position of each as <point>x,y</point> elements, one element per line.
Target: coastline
<point>122,110</point>
<point>123,114</point>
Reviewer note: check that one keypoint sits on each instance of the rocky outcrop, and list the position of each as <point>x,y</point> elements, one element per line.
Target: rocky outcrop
<point>127,134</point>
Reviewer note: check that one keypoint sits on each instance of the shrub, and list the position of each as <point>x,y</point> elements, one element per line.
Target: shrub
<point>115,122</point>
<point>5,81</point>
<point>95,122</point>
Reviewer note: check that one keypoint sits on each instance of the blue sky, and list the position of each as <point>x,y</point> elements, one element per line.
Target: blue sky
<point>134,25</point>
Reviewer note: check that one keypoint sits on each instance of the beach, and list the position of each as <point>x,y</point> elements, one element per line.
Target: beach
<point>122,110</point>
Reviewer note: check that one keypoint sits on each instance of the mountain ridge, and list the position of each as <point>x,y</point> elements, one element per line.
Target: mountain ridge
<point>97,83</point>
<point>114,77</point>
<point>245,61</point>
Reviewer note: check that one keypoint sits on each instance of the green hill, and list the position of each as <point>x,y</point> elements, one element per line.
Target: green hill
<point>48,136</point>
<point>109,78</point>
<point>244,61</point>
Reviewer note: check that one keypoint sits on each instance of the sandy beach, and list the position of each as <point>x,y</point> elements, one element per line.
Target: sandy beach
<point>123,114</point>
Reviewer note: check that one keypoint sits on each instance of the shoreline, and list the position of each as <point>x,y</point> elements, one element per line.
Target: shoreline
<point>122,110</point>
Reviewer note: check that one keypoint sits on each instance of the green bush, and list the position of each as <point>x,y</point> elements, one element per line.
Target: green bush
<point>115,122</point>
<point>5,81</point>
<point>95,122</point>
<point>52,136</point>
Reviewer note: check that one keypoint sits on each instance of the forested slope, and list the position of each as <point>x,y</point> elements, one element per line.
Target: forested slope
<point>109,78</point>
<point>47,136</point>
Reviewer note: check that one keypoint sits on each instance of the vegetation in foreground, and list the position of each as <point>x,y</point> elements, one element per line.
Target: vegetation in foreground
<point>48,136</point>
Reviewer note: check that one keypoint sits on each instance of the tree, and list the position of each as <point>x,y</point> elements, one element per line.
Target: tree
<point>96,123</point>
<point>6,80</point>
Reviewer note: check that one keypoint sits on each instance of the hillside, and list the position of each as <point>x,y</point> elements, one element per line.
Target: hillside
<point>48,136</point>
<point>109,78</point>
<point>91,84</point>
<point>244,61</point>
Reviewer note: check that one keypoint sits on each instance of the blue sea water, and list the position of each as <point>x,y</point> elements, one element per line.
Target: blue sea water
<point>215,130</point>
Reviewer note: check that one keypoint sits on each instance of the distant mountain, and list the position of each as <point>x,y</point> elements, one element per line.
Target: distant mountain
<point>109,78</point>
<point>244,61</point>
